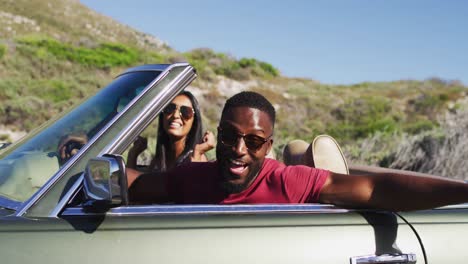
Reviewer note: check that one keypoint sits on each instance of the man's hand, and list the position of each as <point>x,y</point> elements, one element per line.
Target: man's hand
<point>69,145</point>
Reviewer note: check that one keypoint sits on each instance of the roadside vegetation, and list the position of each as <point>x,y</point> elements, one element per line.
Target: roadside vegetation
<point>210,64</point>
<point>43,76</point>
<point>439,151</point>
<point>47,64</point>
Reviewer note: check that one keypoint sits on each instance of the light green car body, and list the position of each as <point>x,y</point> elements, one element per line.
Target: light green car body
<point>44,218</point>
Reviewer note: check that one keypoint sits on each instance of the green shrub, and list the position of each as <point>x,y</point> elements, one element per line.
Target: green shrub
<point>3,50</point>
<point>24,113</point>
<point>247,62</point>
<point>204,54</point>
<point>104,55</point>
<point>199,59</point>
<point>5,138</point>
<point>9,88</point>
<point>154,58</point>
<point>427,103</point>
<point>206,61</point>
<point>419,126</point>
<point>258,68</point>
<point>269,69</point>
<point>54,90</point>
<point>360,118</point>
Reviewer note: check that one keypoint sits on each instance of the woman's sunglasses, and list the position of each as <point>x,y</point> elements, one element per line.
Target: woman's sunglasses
<point>186,112</point>
<point>230,138</point>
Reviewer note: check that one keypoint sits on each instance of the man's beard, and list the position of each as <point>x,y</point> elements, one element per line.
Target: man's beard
<point>225,185</point>
<point>231,188</point>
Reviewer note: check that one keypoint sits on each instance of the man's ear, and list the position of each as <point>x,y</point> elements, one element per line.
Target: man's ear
<point>269,149</point>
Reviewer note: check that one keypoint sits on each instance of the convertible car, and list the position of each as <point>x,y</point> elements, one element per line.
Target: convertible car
<point>75,210</point>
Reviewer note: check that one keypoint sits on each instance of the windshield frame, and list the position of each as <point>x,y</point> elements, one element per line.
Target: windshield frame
<point>9,204</point>
<point>24,171</point>
<point>21,206</point>
<point>48,201</point>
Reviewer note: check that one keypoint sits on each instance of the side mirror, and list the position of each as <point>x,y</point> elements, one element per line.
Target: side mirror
<point>105,181</point>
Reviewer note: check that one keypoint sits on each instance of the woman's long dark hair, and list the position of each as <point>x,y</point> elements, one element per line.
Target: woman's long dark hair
<point>194,137</point>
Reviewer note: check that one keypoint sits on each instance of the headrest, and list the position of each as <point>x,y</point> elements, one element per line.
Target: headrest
<point>293,153</point>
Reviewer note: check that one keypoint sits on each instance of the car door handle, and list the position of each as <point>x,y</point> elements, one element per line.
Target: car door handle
<point>385,258</point>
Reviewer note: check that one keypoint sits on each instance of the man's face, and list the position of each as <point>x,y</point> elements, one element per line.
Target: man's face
<point>240,164</point>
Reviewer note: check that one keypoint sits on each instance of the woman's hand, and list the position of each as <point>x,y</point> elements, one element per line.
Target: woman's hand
<point>209,140</point>
<point>138,147</point>
<point>140,144</point>
<point>208,143</point>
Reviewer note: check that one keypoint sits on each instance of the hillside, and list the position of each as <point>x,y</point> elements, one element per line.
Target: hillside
<point>55,53</point>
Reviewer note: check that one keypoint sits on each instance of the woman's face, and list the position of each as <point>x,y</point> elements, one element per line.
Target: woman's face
<point>174,123</point>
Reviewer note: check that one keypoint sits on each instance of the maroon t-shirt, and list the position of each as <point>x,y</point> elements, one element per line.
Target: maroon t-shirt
<point>199,183</point>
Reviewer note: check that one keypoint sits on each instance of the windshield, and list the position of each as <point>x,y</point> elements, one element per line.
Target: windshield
<point>27,165</point>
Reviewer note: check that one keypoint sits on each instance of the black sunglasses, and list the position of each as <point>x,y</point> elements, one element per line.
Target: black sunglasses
<point>186,112</point>
<point>253,142</point>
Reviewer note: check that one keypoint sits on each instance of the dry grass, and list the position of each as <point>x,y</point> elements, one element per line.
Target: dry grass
<point>440,154</point>
<point>441,151</point>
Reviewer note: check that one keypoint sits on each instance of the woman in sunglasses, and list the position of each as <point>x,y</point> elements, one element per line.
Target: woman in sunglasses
<point>179,138</point>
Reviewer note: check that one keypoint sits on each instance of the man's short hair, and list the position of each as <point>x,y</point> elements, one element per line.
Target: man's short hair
<point>251,100</point>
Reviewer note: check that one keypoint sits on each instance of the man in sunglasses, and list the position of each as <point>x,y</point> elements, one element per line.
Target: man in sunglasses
<point>243,174</point>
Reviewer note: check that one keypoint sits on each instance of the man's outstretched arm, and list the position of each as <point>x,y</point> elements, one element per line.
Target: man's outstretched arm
<point>392,191</point>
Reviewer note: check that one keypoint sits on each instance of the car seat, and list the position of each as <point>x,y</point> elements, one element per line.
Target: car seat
<point>323,153</point>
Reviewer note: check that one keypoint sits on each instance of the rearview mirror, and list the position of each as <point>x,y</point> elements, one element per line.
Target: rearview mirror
<point>105,181</point>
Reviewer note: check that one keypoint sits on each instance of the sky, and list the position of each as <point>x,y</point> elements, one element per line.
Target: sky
<point>331,41</point>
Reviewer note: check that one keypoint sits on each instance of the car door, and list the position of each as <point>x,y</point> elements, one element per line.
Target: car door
<point>443,232</point>
<point>211,234</point>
